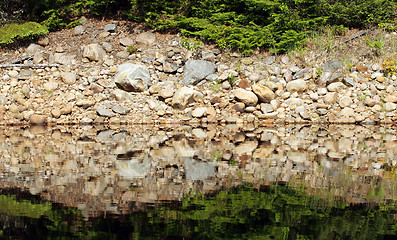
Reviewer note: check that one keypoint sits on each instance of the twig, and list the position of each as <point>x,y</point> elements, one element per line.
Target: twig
<point>22,59</point>
<point>29,65</point>
<point>359,34</point>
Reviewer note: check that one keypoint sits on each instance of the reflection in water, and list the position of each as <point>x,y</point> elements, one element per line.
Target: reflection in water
<point>123,169</point>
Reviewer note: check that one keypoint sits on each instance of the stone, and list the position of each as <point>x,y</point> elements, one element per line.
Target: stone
<point>199,112</point>
<point>331,72</point>
<point>146,38</point>
<point>96,88</point>
<point>349,82</point>
<point>169,67</point>
<point>111,27</point>
<point>69,78</point>
<point>62,58</point>
<point>346,112</point>
<point>298,85</point>
<point>94,52</point>
<point>244,84</point>
<point>247,97</point>
<point>132,77</point>
<point>335,87</point>
<point>330,98</point>
<point>85,103</point>
<point>389,106</point>
<point>79,30</point>
<point>107,46</point>
<point>304,74</point>
<point>391,98</point>
<point>239,107</point>
<point>66,110</point>
<point>120,110</point>
<point>345,101</point>
<point>196,70</point>
<point>43,41</point>
<point>56,113</point>
<point>380,79</point>
<point>264,93</point>
<point>361,68</point>
<point>104,112</point>
<point>24,74</point>
<point>126,41</point>
<point>123,54</point>
<point>185,96</point>
<point>270,60</point>
<point>370,102</point>
<point>37,119</point>
<point>166,93</point>
<point>3,100</point>
<point>33,48</point>
<point>38,58</point>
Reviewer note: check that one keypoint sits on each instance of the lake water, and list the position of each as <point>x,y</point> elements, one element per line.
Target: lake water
<point>198,182</point>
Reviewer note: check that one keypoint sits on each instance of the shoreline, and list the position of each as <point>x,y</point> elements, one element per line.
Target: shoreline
<point>107,72</point>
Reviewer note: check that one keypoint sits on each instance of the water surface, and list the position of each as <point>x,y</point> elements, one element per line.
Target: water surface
<point>198,182</point>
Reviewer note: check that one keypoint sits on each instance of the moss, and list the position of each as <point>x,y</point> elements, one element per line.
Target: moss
<point>15,31</point>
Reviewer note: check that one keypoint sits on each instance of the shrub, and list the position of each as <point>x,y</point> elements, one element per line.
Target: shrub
<point>10,32</point>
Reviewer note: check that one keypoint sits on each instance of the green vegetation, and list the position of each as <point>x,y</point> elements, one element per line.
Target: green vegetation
<point>277,25</point>
<point>14,31</point>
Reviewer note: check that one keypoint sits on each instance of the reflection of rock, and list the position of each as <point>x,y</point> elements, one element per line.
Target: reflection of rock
<point>199,170</point>
<point>135,168</point>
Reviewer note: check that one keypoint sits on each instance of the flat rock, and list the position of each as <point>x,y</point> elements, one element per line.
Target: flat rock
<point>247,97</point>
<point>79,30</point>
<point>111,27</point>
<point>199,112</point>
<point>196,70</point>
<point>146,38</point>
<point>104,112</point>
<point>126,41</point>
<point>120,110</point>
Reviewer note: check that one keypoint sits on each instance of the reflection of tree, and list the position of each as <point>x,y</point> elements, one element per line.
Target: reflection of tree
<point>277,212</point>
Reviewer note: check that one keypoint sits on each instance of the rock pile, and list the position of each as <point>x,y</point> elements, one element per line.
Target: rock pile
<point>104,73</point>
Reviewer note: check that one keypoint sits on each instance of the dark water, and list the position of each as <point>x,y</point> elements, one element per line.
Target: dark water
<point>207,182</point>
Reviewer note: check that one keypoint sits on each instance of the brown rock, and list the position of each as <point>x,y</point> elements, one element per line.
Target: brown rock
<point>96,88</point>
<point>361,68</point>
<point>244,83</point>
<point>264,93</point>
<point>37,119</point>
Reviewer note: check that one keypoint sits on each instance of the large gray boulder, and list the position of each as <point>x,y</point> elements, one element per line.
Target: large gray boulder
<point>196,70</point>
<point>331,72</point>
<point>132,77</point>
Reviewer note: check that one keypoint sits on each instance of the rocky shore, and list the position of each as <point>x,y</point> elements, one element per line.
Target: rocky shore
<point>120,73</point>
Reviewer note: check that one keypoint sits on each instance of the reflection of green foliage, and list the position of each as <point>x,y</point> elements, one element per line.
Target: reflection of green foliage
<point>277,213</point>
<point>10,206</point>
<point>45,220</point>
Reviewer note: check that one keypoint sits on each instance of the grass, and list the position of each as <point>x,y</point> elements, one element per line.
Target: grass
<point>329,43</point>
